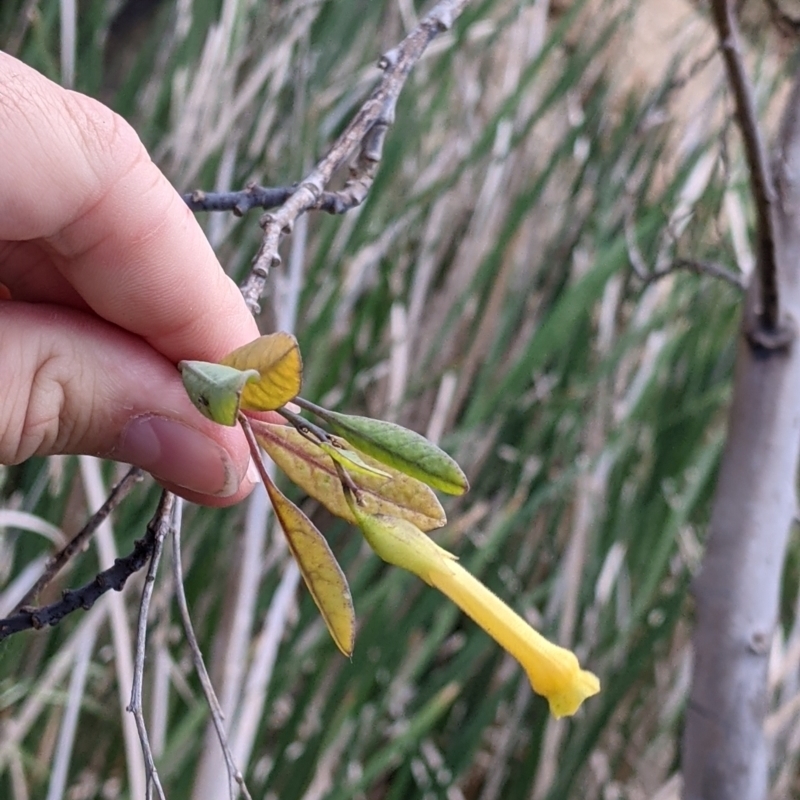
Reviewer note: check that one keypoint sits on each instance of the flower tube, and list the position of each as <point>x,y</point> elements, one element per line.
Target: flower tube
<point>554,672</point>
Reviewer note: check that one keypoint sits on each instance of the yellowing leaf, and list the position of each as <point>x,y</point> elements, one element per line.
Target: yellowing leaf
<point>398,447</point>
<point>214,389</point>
<point>319,568</point>
<point>276,358</point>
<point>314,471</point>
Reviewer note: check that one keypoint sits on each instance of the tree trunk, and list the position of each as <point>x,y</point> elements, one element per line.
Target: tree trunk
<point>725,754</point>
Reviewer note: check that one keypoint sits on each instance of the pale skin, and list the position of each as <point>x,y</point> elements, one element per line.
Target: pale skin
<point>107,281</point>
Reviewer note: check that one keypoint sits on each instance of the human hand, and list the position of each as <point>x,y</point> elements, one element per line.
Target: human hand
<point>108,281</point>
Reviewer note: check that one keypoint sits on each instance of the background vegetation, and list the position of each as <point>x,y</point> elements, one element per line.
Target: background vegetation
<point>484,294</point>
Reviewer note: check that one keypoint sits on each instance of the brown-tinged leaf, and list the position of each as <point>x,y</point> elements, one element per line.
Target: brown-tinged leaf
<point>276,358</point>
<point>313,470</point>
<point>319,568</point>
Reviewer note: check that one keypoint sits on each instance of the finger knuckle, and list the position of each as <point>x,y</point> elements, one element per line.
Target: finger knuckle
<point>46,426</point>
<point>108,140</point>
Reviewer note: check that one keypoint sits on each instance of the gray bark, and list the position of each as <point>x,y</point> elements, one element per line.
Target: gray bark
<point>725,755</point>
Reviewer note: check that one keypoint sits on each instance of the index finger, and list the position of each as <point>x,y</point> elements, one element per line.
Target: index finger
<point>81,181</point>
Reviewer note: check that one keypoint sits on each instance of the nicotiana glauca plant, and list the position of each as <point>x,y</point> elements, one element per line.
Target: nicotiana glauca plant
<point>378,476</point>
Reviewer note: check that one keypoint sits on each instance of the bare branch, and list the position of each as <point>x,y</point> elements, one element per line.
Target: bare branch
<point>699,267</point>
<point>161,529</point>
<point>254,196</point>
<point>303,426</point>
<point>761,182</point>
<point>78,542</point>
<point>114,578</point>
<point>235,776</point>
<point>712,268</point>
<point>365,133</point>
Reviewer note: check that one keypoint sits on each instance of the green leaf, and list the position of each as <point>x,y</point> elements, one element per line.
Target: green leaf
<point>319,568</point>
<point>400,448</point>
<point>314,471</point>
<point>214,389</point>
<point>276,358</point>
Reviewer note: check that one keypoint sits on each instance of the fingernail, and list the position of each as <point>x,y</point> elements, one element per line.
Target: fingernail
<point>175,453</point>
<point>252,476</point>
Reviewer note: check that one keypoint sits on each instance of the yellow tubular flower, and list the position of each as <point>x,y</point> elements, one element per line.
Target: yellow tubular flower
<point>554,672</point>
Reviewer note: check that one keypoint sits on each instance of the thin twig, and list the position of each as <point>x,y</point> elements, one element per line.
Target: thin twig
<point>254,196</point>
<point>161,525</point>
<point>307,405</point>
<point>365,132</point>
<point>700,267</point>
<point>79,541</point>
<point>649,275</point>
<point>86,596</point>
<point>712,268</point>
<point>236,638</point>
<point>235,776</point>
<point>761,182</point>
<point>303,426</point>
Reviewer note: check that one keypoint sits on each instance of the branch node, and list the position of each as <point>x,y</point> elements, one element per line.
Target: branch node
<point>444,19</point>
<point>772,339</point>
<point>759,643</point>
<point>372,148</point>
<point>389,59</point>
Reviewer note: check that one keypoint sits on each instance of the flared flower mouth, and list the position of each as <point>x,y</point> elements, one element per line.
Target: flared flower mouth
<point>554,672</point>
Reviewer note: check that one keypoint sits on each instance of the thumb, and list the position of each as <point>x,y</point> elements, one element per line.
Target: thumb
<point>73,383</point>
